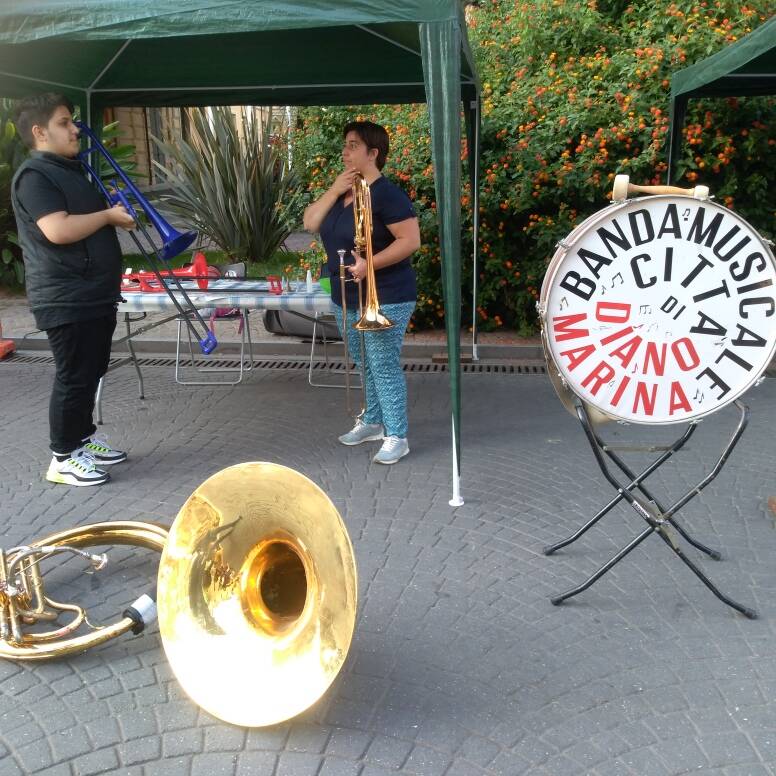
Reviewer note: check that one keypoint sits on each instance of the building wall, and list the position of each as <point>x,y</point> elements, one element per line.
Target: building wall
<point>136,125</point>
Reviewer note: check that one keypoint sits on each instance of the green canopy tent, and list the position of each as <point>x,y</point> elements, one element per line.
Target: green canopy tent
<point>109,53</point>
<point>746,68</point>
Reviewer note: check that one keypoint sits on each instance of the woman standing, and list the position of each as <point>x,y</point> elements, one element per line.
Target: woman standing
<point>395,237</point>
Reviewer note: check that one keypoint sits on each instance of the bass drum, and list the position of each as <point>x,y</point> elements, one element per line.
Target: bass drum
<point>658,310</point>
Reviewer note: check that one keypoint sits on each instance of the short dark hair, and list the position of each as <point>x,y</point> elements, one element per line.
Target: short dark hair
<point>373,135</point>
<point>37,110</point>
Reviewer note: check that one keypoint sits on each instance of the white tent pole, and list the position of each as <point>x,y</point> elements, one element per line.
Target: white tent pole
<point>456,500</point>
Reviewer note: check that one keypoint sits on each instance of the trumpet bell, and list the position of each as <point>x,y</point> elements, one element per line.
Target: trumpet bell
<point>257,594</point>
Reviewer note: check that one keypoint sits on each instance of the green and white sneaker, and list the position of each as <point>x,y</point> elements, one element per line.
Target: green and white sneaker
<point>103,454</point>
<point>362,432</point>
<point>394,448</point>
<point>78,470</point>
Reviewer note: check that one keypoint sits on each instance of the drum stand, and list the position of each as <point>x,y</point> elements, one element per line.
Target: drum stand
<point>659,520</point>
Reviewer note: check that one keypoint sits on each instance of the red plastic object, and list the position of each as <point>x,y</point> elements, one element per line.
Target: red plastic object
<point>147,282</point>
<point>275,286</point>
<point>6,346</point>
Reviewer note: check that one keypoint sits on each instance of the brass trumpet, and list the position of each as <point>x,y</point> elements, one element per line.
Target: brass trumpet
<point>256,594</point>
<point>371,317</point>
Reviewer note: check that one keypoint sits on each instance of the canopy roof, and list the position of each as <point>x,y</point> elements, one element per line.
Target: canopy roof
<point>746,68</point>
<point>104,53</point>
<point>207,52</point>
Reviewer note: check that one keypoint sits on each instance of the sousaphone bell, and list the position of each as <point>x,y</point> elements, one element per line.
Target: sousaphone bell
<point>257,594</point>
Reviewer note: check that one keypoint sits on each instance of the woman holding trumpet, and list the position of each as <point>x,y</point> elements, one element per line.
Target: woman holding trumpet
<point>395,237</point>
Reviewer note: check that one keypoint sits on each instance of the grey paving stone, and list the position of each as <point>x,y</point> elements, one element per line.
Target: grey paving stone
<point>307,738</point>
<point>221,738</point>
<point>68,744</point>
<point>751,769</point>
<point>348,744</point>
<point>387,752</point>
<point>256,764</point>
<point>179,742</point>
<point>103,733</point>
<point>220,764</point>
<point>62,769</point>
<point>297,764</point>
<point>178,766</point>
<point>100,761</point>
<point>140,750</point>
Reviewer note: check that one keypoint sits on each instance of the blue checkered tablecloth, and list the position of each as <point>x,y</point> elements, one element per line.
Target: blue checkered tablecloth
<point>249,294</point>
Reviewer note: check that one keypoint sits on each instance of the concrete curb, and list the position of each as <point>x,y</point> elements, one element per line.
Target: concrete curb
<point>301,348</point>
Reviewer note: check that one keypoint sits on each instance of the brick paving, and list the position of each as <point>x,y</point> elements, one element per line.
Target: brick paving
<point>460,665</point>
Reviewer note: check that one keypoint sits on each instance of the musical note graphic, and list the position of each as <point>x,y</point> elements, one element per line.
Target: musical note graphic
<point>720,342</point>
<point>563,303</point>
<point>696,397</point>
<point>645,309</point>
<point>603,290</point>
<point>635,368</point>
<point>618,275</point>
<point>652,327</point>
<point>686,214</point>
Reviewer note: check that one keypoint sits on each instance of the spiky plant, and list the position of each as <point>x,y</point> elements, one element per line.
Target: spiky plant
<point>232,182</point>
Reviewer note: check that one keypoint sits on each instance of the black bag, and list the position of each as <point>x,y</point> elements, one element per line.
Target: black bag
<point>287,323</point>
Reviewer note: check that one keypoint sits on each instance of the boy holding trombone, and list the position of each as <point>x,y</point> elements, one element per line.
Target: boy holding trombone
<point>72,262</point>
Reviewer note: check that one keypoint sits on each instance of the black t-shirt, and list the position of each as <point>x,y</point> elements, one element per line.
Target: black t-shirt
<point>390,205</point>
<point>77,283</point>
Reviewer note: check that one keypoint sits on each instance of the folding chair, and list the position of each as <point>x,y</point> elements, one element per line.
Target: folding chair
<point>323,320</point>
<point>236,271</point>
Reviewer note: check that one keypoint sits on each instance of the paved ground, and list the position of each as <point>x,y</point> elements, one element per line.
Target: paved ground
<point>460,665</point>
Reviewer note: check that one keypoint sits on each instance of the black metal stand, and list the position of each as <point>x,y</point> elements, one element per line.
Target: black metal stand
<point>658,519</point>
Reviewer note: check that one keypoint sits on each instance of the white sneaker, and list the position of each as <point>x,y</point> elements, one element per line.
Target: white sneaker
<point>77,470</point>
<point>98,448</point>
<point>362,432</point>
<point>393,449</point>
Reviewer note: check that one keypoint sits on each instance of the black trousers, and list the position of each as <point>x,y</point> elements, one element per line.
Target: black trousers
<point>81,353</point>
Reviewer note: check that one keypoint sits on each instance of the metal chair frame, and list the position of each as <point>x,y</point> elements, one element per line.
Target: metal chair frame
<point>319,317</point>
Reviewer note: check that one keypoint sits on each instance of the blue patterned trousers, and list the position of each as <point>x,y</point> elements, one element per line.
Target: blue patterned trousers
<point>386,386</point>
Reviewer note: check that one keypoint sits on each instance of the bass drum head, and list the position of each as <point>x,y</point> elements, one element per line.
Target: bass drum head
<point>659,310</point>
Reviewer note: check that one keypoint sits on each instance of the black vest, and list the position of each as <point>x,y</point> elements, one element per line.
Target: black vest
<point>70,277</point>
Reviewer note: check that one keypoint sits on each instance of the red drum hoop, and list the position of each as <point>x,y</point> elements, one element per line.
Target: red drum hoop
<point>659,310</point>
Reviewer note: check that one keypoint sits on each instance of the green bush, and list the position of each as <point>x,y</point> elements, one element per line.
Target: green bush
<point>12,153</point>
<point>572,95</point>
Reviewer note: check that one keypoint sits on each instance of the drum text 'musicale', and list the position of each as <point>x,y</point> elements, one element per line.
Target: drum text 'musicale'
<point>660,310</point>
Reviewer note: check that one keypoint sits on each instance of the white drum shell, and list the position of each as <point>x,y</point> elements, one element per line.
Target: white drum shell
<point>659,310</point>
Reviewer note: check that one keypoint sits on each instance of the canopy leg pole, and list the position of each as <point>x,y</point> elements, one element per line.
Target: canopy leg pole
<point>456,500</point>
<point>475,179</point>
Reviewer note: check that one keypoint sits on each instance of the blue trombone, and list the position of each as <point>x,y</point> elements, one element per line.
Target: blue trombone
<point>173,241</point>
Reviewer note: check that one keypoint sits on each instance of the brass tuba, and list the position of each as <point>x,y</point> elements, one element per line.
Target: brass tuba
<point>256,594</point>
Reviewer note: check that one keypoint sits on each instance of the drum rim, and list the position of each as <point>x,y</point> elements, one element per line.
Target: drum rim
<point>565,245</point>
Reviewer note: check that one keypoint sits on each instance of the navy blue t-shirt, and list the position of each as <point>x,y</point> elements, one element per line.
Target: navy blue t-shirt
<point>390,205</point>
